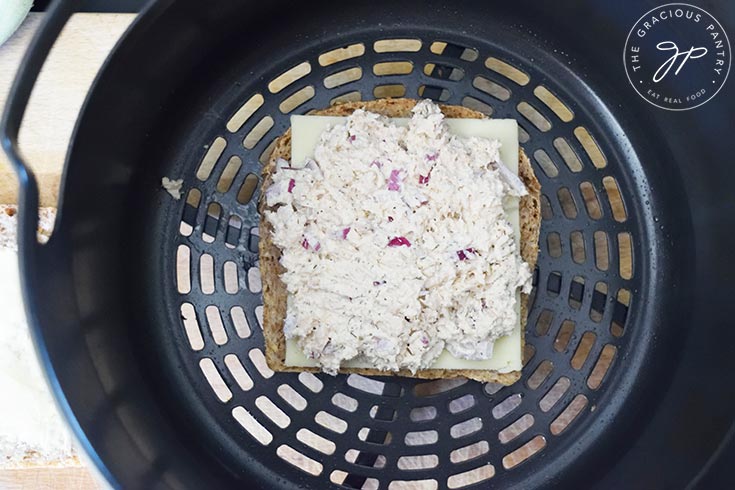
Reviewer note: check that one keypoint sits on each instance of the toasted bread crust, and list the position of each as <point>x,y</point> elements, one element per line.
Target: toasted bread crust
<point>274,291</point>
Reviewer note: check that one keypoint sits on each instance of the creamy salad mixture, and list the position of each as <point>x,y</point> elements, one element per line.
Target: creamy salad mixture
<point>396,245</point>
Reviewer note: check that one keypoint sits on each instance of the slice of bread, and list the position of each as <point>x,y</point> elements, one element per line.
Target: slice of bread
<point>274,291</point>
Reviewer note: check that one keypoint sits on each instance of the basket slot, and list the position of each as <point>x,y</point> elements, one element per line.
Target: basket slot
<point>558,107</point>
<point>297,99</point>
<point>553,283</point>
<point>590,147</point>
<point>553,244</point>
<point>546,164</point>
<point>576,242</point>
<point>507,70</point>
<point>602,366</point>
<point>555,393</point>
<point>471,477</point>
<point>252,426</point>
<point>524,452</point>
<point>396,45</point>
<point>191,211</point>
<point>330,422</point>
<point>521,425</point>
<point>299,460</point>
<point>183,269</point>
<point>258,359</point>
<point>466,428</point>
<point>477,105</point>
<point>316,442</point>
<point>582,353</point>
<point>566,201</point>
<point>258,132</point>
<point>273,412</point>
<point>344,402</point>
<point>216,325</point>
<point>255,283</point>
<point>289,76</point>
<point>625,255</point>
<point>602,250</point>
<point>451,50</point>
<point>615,199</point>
<point>422,414</point>
<point>238,372</point>
<point>543,322</point>
<point>211,222</point>
<point>463,403</point>
<point>469,452</point>
<point>564,335</point>
<point>568,154</point>
<point>354,96</point>
<point>421,438</point>
<point>534,116</point>
<point>493,89</point>
<point>413,485</point>
<point>229,272</point>
<point>253,239</point>
<point>292,397</point>
<point>620,313</point>
<point>191,326</point>
<point>439,94</point>
<point>507,406</point>
<point>387,68</point>
<point>576,292</point>
<point>247,190</point>
<point>240,322</point>
<point>206,274</point>
<point>233,232</point>
<point>214,378</point>
<point>599,300</point>
<point>541,374</point>
<point>214,151</point>
<point>343,77</point>
<point>420,462</point>
<point>389,91</point>
<point>342,54</point>
<point>591,201</point>
<point>567,416</point>
<point>443,72</point>
<point>547,212</point>
<point>313,383</point>
<point>244,113</point>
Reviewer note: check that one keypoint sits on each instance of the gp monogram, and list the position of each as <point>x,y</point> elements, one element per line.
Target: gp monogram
<point>677,56</point>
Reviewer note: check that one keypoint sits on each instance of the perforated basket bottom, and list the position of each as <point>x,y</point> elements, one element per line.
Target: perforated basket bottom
<point>387,432</point>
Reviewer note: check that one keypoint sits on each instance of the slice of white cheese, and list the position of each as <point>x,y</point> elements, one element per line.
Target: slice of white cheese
<point>305,133</point>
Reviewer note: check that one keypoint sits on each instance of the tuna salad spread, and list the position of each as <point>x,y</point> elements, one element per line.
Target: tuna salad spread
<point>395,243</point>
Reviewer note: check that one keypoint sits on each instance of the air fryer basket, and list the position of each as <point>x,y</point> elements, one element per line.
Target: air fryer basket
<point>147,309</point>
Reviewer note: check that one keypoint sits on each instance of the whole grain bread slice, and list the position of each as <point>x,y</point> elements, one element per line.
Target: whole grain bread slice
<point>274,290</point>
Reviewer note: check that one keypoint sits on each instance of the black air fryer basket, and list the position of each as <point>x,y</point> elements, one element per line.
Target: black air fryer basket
<point>147,310</point>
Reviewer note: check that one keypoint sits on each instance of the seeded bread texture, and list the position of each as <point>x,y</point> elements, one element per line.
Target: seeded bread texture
<point>274,290</point>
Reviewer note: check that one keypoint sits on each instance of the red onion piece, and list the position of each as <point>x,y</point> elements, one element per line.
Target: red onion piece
<point>399,241</point>
<point>394,181</point>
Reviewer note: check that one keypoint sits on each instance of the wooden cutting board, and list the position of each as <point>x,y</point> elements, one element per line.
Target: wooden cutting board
<point>49,478</point>
<point>59,93</point>
<point>62,86</point>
